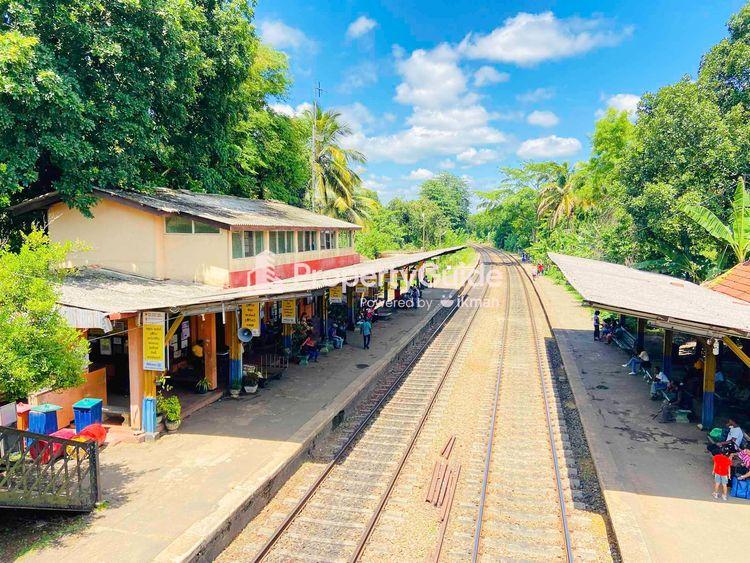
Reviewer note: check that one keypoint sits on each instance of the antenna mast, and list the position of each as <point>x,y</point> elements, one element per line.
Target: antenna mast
<point>313,144</point>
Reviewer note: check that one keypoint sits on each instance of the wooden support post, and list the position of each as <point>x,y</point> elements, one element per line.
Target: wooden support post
<point>206,331</point>
<point>135,371</point>
<point>709,380</point>
<point>734,347</point>
<point>640,339</point>
<point>235,349</point>
<point>666,354</point>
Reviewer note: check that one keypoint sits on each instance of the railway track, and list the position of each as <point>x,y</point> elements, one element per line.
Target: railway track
<point>335,516</point>
<point>525,498</point>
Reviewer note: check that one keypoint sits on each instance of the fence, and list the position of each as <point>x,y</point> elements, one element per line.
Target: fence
<point>46,472</point>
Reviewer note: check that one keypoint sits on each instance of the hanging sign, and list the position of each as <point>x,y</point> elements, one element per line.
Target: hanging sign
<point>288,311</point>
<point>251,317</point>
<point>336,294</point>
<point>154,356</point>
<point>361,288</point>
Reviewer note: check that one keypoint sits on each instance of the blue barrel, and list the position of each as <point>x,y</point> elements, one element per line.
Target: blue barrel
<point>43,418</point>
<point>87,412</point>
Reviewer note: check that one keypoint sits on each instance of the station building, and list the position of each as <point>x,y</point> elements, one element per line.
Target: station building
<point>198,265</point>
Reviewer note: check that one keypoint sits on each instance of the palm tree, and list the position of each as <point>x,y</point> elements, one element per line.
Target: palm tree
<point>736,235</point>
<point>360,210</point>
<point>333,181</point>
<point>558,198</point>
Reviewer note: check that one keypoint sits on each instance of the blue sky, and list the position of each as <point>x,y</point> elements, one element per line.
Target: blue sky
<point>470,86</point>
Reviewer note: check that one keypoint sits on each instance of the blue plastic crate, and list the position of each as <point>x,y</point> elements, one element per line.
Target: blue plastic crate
<point>87,411</point>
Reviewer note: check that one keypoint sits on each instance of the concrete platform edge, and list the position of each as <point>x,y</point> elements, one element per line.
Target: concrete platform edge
<point>208,537</point>
<point>628,533</point>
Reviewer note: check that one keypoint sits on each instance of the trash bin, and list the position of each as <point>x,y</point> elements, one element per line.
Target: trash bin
<point>22,416</point>
<point>43,418</point>
<point>86,412</point>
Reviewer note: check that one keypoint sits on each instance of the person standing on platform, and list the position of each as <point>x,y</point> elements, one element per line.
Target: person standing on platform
<point>722,465</point>
<point>366,333</point>
<point>597,323</point>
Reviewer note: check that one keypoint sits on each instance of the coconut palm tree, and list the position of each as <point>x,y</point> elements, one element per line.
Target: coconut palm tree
<point>558,197</point>
<point>333,180</point>
<point>360,210</point>
<point>737,234</point>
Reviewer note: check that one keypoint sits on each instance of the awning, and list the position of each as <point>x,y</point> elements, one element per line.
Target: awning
<point>85,318</point>
<point>665,301</point>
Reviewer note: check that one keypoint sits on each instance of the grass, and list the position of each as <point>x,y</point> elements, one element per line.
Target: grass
<point>23,532</point>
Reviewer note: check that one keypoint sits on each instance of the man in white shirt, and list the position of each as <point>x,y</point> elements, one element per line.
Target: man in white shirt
<point>660,382</point>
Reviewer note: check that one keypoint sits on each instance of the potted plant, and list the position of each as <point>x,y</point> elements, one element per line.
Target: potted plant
<point>172,413</point>
<point>234,390</point>
<point>202,386</point>
<point>250,381</point>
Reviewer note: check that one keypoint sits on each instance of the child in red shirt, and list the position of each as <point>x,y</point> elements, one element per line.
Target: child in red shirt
<point>721,474</point>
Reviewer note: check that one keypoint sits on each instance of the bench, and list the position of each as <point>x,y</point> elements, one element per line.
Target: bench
<point>382,315</point>
<point>113,410</point>
<point>624,339</point>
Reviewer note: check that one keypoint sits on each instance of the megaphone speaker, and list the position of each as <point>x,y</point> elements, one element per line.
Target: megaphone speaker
<point>245,334</point>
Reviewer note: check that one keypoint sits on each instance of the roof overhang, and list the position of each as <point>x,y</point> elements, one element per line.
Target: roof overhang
<point>666,302</point>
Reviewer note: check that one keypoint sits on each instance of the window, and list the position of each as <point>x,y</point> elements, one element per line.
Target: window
<point>307,241</point>
<point>327,240</point>
<point>246,244</point>
<point>281,242</point>
<point>177,224</point>
<point>345,239</point>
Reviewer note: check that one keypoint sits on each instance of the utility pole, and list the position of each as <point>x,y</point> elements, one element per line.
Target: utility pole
<point>313,144</point>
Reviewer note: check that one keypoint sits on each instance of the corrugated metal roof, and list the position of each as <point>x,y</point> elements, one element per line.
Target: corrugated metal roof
<point>666,301</point>
<point>734,282</point>
<point>112,292</point>
<point>226,211</point>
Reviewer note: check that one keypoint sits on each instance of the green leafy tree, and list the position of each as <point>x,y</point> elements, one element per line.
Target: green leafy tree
<point>451,194</point>
<point>38,349</point>
<point>736,234</point>
<point>558,196</point>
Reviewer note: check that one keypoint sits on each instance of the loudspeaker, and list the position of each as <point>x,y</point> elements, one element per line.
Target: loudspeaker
<point>245,334</point>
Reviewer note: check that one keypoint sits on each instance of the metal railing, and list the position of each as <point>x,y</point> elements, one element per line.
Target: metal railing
<point>47,472</point>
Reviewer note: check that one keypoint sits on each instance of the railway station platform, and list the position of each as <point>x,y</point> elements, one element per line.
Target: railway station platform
<point>656,478</point>
<point>163,499</point>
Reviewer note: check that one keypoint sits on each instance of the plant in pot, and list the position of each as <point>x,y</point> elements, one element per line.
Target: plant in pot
<point>234,390</point>
<point>172,413</point>
<point>250,381</point>
<point>202,386</point>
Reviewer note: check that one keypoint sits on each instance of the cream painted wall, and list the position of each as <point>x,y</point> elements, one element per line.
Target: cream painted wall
<point>118,237</point>
<point>201,257</point>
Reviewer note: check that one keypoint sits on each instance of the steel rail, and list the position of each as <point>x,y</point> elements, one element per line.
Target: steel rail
<point>278,533</point>
<point>364,538</point>
<point>540,363</point>
<point>493,420</point>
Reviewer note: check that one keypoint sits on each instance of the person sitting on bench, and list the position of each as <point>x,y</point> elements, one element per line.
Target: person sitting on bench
<point>734,440</point>
<point>310,348</point>
<point>641,360</point>
<point>659,382</point>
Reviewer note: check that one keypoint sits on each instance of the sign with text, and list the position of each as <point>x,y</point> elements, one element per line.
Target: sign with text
<point>154,353</point>
<point>336,294</point>
<point>288,311</point>
<point>251,317</point>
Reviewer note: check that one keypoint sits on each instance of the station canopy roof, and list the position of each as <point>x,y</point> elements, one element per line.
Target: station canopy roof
<point>112,293</point>
<point>665,301</point>
<point>224,211</point>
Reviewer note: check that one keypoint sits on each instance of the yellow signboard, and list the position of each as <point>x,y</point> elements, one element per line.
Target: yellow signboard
<point>336,294</point>
<point>251,317</point>
<point>288,311</point>
<point>154,352</point>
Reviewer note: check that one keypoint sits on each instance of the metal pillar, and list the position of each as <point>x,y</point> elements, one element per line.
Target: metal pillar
<point>640,339</point>
<point>666,353</point>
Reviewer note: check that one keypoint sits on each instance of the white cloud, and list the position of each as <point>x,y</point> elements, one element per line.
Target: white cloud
<point>281,36</point>
<point>357,116</point>
<point>359,76</point>
<point>447,164</point>
<point>542,119</point>
<point>537,95</point>
<point>489,75</point>
<point>527,39</point>
<point>389,117</point>
<point>549,147</point>
<point>430,78</point>
<point>286,109</point>
<point>474,157</point>
<point>361,26</point>
<point>420,174</point>
<point>622,102</point>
